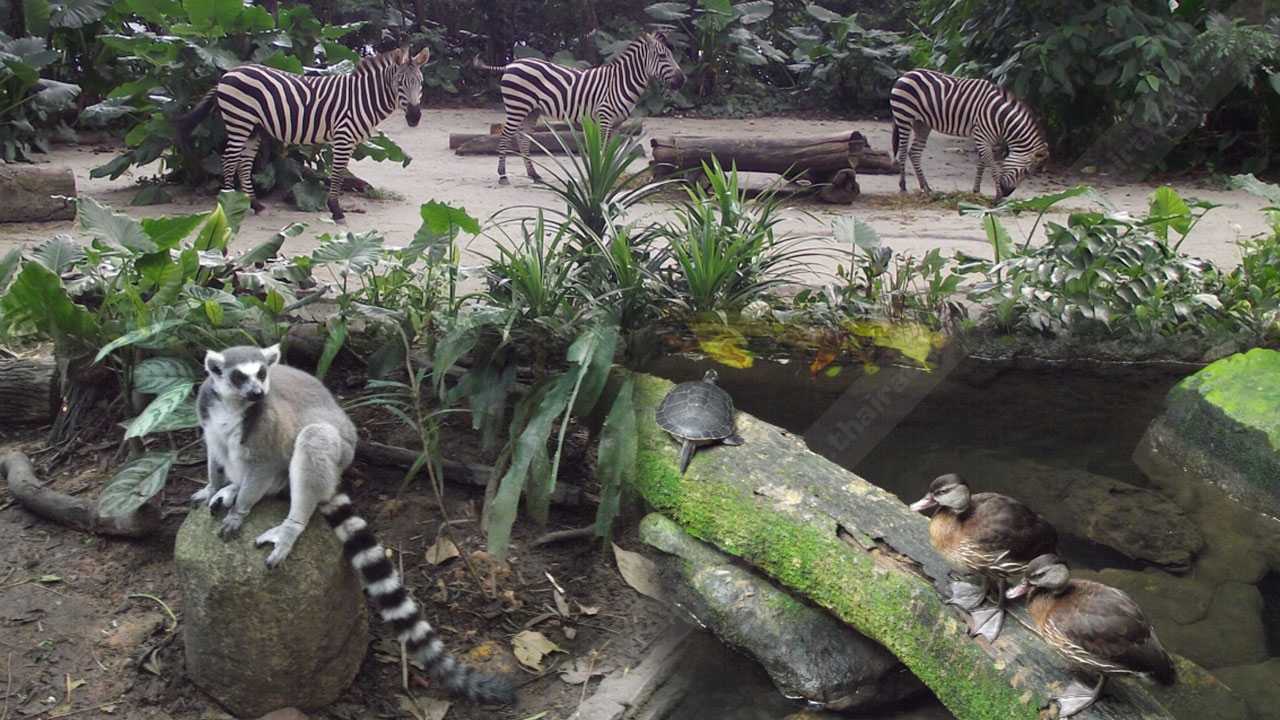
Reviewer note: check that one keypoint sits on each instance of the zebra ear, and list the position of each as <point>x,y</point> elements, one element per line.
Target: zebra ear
<point>398,55</point>
<point>422,57</point>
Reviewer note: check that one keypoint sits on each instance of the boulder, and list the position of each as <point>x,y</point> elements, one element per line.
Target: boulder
<point>1225,415</point>
<point>258,639</point>
<point>806,652</point>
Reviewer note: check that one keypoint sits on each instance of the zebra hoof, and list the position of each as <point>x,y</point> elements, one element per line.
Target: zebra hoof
<point>257,207</point>
<point>502,180</point>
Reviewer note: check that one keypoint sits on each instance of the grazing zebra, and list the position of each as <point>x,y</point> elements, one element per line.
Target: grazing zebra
<point>257,101</point>
<point>924,100</point>
<point>607,94</point>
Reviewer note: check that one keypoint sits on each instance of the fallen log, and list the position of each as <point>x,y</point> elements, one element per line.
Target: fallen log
<point>30,193</point>
<point>73,512</point>
<point>856,550</point>
<point>487,144</point>
<point>462,473</point>
<point>28,391</point>
<point>816,159</point>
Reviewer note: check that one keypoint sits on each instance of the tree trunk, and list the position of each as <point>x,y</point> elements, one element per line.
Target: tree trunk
<point>28,391</point>
<point>855,549</point>
<point>817,159</point>
<point>487,143</point>
<point>27,193</point>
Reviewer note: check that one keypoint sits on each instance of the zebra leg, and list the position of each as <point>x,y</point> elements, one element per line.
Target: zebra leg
<point>919,138</point>
<point>522,140</point>
<point>237,165</point>
<point>903,137</point>
<point>986,159</point>
<point>504,146</point>
<point>342,150</point>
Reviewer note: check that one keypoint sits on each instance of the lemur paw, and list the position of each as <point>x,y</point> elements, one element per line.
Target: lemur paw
<point>230,527</point>
<point>201,495</point>
<point>282,536</point>
<point>226,497</point>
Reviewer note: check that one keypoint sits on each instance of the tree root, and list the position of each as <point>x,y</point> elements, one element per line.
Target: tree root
<point>76,513</point>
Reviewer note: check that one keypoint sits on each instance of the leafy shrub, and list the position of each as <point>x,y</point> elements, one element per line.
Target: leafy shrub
<point>30,106</point>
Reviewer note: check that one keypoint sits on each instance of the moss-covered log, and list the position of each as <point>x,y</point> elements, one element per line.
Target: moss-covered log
<point>857,550</point>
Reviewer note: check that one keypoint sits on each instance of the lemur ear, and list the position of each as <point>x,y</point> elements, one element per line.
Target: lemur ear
<point>272,354</point>
<point>214,363</point>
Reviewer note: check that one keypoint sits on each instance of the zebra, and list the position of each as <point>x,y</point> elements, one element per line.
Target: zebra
<point>925,100</point>
<point>607,94</point>
<point>258,101</point>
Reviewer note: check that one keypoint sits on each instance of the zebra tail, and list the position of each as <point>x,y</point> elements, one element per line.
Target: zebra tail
<point>187,123</point>
<point>479,64</point>
<point>388,593</point>
<point>897,139</point>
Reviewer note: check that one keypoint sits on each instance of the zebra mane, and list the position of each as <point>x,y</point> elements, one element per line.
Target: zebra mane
<point>1040,135</point>
<point>645,37</point>
<point>371,65</point>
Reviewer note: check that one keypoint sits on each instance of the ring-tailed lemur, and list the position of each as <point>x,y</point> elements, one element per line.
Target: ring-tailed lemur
<point>268,427</point>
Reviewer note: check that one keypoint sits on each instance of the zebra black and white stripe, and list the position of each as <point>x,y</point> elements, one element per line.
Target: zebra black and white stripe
<point>607,94</point>
<point>398,609</point>
<point>258,101</point>
<point>925,100</point>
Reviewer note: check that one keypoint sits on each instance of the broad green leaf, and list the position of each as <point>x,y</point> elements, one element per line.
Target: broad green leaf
<point>822,14</point>
<point>270,248</point>
<point>35,17</point>
<point>37,297</point>
<point>668,11</point>
<point>160,374</point>
<point>616,457</point>
<point>138,336</point>
<point>753,11</point>
<point>1044,202</point>
<point>159,415</point>
<point>856,231</point>
<point>1169,211</point>
<point>59,253</point>
<point>75,14</point>
<point>234,206</point>
<point>459,341</point>
<point>114,231</point>
<point>214,312</point>
<point>1252,185</point>
<point>444,219</point>
<point>169,232</point>
<point>353,254</point>
<point>214,234</point>
<point>136,482</point>
<point>9,267</point>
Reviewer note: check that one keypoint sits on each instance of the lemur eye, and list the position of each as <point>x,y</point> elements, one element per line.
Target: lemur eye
<point>262,373</point>
<point>237,377</point>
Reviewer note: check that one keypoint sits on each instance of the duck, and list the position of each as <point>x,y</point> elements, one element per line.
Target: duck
<point>1095,626</point>
<point>990,534</point>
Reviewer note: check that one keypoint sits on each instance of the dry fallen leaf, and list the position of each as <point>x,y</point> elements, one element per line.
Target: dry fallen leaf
<point>581,670</point>
<point>562,607</point>
<point>531,647</point>
<point>442,550</point>
<point>587,609</point>
<point>424,708</point>
<point>640,573</point>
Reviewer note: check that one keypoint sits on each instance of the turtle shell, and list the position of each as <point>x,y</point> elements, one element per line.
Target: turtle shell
<point>698,410</point>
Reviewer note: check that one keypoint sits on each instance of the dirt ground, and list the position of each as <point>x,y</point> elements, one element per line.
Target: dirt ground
<point>85,629</point>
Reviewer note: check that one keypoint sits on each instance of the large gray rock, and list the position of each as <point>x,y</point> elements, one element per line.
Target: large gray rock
<point>806,652</point>
<point>257,639</point>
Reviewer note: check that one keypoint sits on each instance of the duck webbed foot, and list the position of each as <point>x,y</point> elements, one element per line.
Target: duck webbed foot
<point>967,596</point>
<point>987,622</point>
<point>1077,697</point>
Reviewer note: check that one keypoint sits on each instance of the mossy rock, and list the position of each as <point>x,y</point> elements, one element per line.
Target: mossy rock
<point>1230,412</point>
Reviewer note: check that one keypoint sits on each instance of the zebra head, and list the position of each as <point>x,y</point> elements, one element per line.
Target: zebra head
<point>658,60</point>
<point>1018,164</point>
<point>407,78</point>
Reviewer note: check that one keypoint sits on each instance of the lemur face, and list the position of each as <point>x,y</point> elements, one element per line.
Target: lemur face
<point>242,372</point>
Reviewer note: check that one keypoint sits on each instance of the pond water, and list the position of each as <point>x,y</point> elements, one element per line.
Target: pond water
<point>1001,427</point>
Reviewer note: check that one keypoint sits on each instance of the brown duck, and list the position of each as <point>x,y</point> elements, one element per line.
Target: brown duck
<point>986,533</point>
<point>1095,626</point>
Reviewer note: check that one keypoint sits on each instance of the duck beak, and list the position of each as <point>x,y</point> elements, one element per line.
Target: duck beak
<point>1018,590</point>
<point>924,503</point>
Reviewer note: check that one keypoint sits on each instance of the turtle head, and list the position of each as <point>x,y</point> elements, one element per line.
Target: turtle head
<point>711,376</point>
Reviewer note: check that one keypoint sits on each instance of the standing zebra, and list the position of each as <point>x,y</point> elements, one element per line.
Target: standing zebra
<point>257,101</point>
<point>607,94</point>
<point>925,100</point>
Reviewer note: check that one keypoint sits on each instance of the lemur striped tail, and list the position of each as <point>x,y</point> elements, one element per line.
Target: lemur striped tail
<point>398,610</point>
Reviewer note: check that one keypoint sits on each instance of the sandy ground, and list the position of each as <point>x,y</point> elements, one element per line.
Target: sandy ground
<point>436,173</point>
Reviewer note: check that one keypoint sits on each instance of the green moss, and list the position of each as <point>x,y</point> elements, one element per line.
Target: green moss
<point>825,570</point>
<point>1246,387</point>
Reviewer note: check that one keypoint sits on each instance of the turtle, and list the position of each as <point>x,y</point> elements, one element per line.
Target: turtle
<point>697,412</point>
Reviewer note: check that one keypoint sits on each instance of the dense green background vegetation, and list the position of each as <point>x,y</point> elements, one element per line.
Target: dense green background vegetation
<point>1203,85</point>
